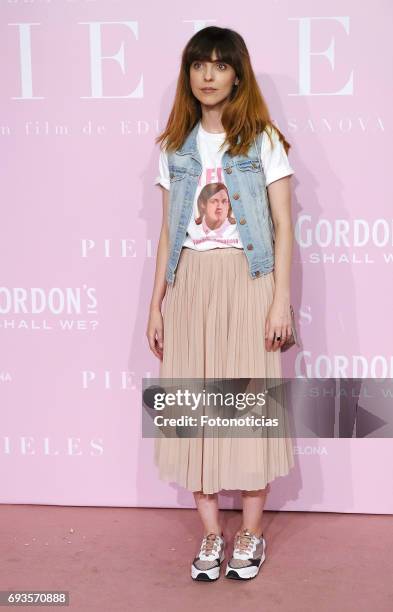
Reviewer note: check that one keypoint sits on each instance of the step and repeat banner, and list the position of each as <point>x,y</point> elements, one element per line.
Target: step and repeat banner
<point>86,86</point>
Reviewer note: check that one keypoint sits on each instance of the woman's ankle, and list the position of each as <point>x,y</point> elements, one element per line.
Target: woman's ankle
<point>217,530</point>
<point>257,531</point>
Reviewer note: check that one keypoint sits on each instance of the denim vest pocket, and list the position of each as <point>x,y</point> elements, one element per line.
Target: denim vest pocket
<point>251,180</point>
<point>248,165</point>
<point>176,173</point>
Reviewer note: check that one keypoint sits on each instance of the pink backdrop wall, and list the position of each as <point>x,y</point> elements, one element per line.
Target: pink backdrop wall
<point>85,88</point>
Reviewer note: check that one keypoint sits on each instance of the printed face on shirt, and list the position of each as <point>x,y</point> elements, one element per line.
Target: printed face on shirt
<point>213,205</point>
<point>216,210</point>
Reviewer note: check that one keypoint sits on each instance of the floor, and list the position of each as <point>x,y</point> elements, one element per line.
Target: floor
<point>123,559</point>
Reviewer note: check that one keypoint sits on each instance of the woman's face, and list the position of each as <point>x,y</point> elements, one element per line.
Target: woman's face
<point>212,82</point>
<point>217,209</point>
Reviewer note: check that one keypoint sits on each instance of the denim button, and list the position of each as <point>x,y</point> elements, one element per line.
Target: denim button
<point>242,221</point>
<point>228,170</point>
<point>250,247</point>
<point>236,196</point>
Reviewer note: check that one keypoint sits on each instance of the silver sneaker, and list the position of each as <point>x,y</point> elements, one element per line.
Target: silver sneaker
<point>248,556</point>
<point>206,566</point>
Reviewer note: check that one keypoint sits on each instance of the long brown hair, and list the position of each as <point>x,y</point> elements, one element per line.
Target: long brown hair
<point>245,113</point>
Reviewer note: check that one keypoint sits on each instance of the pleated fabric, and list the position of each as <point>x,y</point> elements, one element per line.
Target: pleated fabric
<point>214,322</point>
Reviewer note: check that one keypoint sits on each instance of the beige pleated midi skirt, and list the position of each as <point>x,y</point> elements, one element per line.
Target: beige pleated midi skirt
<point>214,327</point>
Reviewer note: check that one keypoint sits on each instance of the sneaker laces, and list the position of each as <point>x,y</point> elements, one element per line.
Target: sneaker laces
<point>209,543</point>
<point>243,541</point>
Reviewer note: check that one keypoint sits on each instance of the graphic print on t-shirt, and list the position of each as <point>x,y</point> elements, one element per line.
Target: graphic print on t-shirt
<point>213,224</point>
<point>215,220</point>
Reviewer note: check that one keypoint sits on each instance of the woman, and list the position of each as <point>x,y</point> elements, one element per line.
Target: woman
<point>227,302</point>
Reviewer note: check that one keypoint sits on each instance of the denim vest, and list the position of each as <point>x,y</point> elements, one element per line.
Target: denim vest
<point>246,185</point>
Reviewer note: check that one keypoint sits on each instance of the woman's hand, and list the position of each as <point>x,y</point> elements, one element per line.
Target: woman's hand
<point>155,332</point>
<point>278,322</point>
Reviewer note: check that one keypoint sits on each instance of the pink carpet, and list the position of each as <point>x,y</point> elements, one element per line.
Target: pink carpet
<point>123,559</point>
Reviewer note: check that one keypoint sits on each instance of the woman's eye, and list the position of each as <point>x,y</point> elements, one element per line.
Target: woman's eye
<point>220,65</point>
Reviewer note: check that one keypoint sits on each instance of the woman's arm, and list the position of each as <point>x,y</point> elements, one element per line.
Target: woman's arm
<point>155,328</point>
<point>279,321</point>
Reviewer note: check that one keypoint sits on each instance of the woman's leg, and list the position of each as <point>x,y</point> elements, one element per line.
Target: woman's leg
<point>253,504</point>
<point>207,505</point>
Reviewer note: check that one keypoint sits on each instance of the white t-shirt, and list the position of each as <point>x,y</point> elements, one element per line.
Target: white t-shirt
<point>213,224</point>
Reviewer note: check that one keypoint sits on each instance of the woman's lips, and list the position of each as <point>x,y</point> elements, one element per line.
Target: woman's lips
<point>208,89</point>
